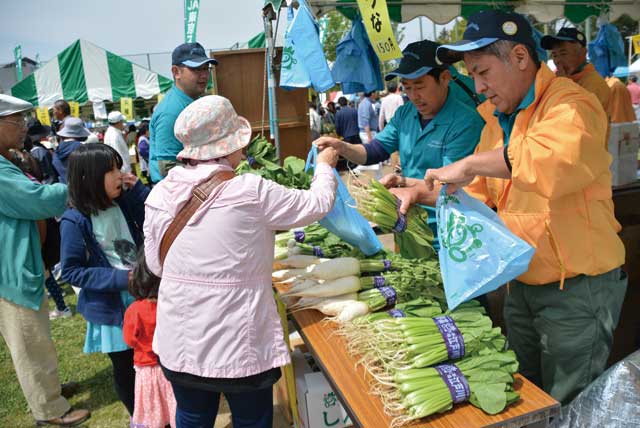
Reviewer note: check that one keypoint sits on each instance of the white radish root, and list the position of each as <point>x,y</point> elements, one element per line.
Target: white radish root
<point>352,311</point>
<point>296,262</point>
<point>331,306</point>
<point>335,268</point>
<point>337,287</point>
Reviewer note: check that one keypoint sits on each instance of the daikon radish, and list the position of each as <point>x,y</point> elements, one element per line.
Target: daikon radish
<point>301,286</point>
<point>284,274</point>
<point>297,262</point>
<point>337,287</point>
<point>331,306</point>
<point>335,268</point>
<point>352,310</point>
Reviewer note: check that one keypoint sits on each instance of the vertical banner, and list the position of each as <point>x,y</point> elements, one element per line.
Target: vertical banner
<point>17,53</point>
<point>75,108</point>
<point>375,16</point>
<point>160,97</point>
<point>191,10</point>
<point>126,107</point>
<point>635,40</point>
<point>43,115</point>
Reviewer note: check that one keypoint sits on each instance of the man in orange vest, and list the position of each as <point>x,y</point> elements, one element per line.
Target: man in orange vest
<point>569,54</point>
<point>542,163</point>
<point>621,106</point>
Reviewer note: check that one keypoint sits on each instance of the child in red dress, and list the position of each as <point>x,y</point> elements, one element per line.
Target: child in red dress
<point>155,405</point>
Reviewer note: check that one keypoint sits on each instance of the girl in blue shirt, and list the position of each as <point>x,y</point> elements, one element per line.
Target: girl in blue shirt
<point>100,234</point>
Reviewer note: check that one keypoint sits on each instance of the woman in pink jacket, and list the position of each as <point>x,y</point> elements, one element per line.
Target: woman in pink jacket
<point>218,330</point>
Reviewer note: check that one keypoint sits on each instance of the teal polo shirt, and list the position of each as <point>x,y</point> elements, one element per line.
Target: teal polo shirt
<point>450,136</point>
<point>163,144</point>
<point>508,120</point>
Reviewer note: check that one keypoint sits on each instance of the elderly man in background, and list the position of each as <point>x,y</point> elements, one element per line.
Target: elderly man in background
<point>24,309</point>
<point>114,138</point>
<point>389,104</point>
<point>569,54</point>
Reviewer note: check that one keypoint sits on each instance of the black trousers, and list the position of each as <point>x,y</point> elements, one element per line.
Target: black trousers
<point>124,377</point>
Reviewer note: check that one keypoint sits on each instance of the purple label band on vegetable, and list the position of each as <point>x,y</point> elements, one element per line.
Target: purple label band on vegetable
<point>298,236</point>
<point>317,251</point>
<point>378,281</point>
<point>396,313</point>
<point>387,265</point>
<point>451,335</point>
<point>251,160</point>
<point>401,223</point>
<point>389,294</point>
<point>455,381</point>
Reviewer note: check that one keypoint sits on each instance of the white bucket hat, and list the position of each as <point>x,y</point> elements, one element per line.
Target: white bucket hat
<point>74,128</point>
<point>209,128</point>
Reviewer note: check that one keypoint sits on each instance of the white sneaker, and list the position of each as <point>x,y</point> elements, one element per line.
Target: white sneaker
<point>60,314</point>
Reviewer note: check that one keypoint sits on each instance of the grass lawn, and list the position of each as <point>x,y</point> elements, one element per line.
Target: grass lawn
<point>92,371</point>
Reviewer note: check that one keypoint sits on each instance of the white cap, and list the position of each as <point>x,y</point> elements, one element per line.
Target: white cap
<point>12,105</point>
<point>92,138</point>
<point>115,117</point>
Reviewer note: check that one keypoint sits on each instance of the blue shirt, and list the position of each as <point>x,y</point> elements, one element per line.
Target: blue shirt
<point>451,135</point>
<point>367,115</point>
<point>508,120</point>
<point>163,143</point>
<point>347,122</point>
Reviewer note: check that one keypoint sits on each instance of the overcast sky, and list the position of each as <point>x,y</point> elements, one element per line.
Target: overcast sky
<point>127,27</point>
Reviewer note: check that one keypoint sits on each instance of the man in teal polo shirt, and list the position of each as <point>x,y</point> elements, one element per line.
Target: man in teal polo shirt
<point>191,70</point>
<point>437,127</point>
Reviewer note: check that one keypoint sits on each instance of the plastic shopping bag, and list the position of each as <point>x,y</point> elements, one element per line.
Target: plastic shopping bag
<point>344,219</point>
<point>478,253</point>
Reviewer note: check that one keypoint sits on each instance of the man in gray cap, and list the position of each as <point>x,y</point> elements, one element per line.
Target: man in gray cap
<point>24,314</point>
<point>191,68</point>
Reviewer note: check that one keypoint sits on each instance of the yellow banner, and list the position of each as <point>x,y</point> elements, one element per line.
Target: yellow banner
<point>375,16</point>
<point>160,97</point>
<point>75,108</point>
<point>43,115</point>
<point>126,107</point>
<point>635,40</point>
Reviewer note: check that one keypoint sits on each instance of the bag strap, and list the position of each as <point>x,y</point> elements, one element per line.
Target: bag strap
<point>467,90</point>
<point>199,194</point>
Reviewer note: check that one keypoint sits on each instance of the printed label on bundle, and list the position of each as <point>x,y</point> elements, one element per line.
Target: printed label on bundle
<point>389,294</point>
<point>298,236</point>
<point>455,381</point>
<point>396,313</point>
<point>378,281</point>
<point>453,339</point>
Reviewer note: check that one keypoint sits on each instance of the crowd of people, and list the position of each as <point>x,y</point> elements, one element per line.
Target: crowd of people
<point>166,286</point>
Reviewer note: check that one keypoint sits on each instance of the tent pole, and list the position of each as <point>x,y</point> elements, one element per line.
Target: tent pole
<point>268,14</point>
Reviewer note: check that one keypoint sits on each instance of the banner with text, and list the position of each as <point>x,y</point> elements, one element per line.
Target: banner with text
<point>75,108</point>
<point>126,107</point>
<point>17,53</point>
<point>375,16</point>
<point>191,10</point>
<point>42,113</point>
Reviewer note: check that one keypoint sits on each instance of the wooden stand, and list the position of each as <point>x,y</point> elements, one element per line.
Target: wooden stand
<point>351,385</point>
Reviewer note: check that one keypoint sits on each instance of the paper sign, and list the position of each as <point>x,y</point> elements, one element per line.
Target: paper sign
<point>75,108</point>
<point>635,40</point>
<point>43,115</point>
<point>375,16</point>
<point>126,107</point>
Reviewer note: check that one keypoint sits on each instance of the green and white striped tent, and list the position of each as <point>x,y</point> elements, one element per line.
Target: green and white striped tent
<point>84,72</point>
<point>443,11</point>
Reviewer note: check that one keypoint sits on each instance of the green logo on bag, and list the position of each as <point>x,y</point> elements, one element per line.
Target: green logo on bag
<point>288,60</point>
<point>460,238</point>
<point>451,198</point>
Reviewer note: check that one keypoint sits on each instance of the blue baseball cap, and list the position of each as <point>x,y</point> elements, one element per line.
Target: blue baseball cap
<point>484,28</point>
<point>418,59</point>
<point>191,55</point>
<point>566,34</point>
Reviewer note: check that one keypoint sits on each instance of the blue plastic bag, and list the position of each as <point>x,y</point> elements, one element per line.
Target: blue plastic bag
<point>344,220</point>
<point>478,253</point>
<point>303,60</point>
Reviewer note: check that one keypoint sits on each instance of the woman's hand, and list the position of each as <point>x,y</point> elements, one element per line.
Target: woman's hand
<point>328,155</point>
<point>324,142</point>
<point>393,180</point>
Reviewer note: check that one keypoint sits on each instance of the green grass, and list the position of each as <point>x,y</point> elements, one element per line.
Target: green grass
<point>92,371</point>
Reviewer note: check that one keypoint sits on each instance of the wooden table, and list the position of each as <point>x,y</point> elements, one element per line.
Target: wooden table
<point>351,385</point>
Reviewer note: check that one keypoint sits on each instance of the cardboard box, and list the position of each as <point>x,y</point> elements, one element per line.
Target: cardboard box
<point>624,142</point>
<point>318,405</point>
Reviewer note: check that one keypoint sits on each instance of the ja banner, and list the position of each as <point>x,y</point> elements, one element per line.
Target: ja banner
<point>75,108</point>
<point>126,107</point>
<point>17,53</point>
<point>191,9</point>
<point>375,16</point>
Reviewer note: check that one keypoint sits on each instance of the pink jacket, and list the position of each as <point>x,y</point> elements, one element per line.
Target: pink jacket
<point>216,313</point>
